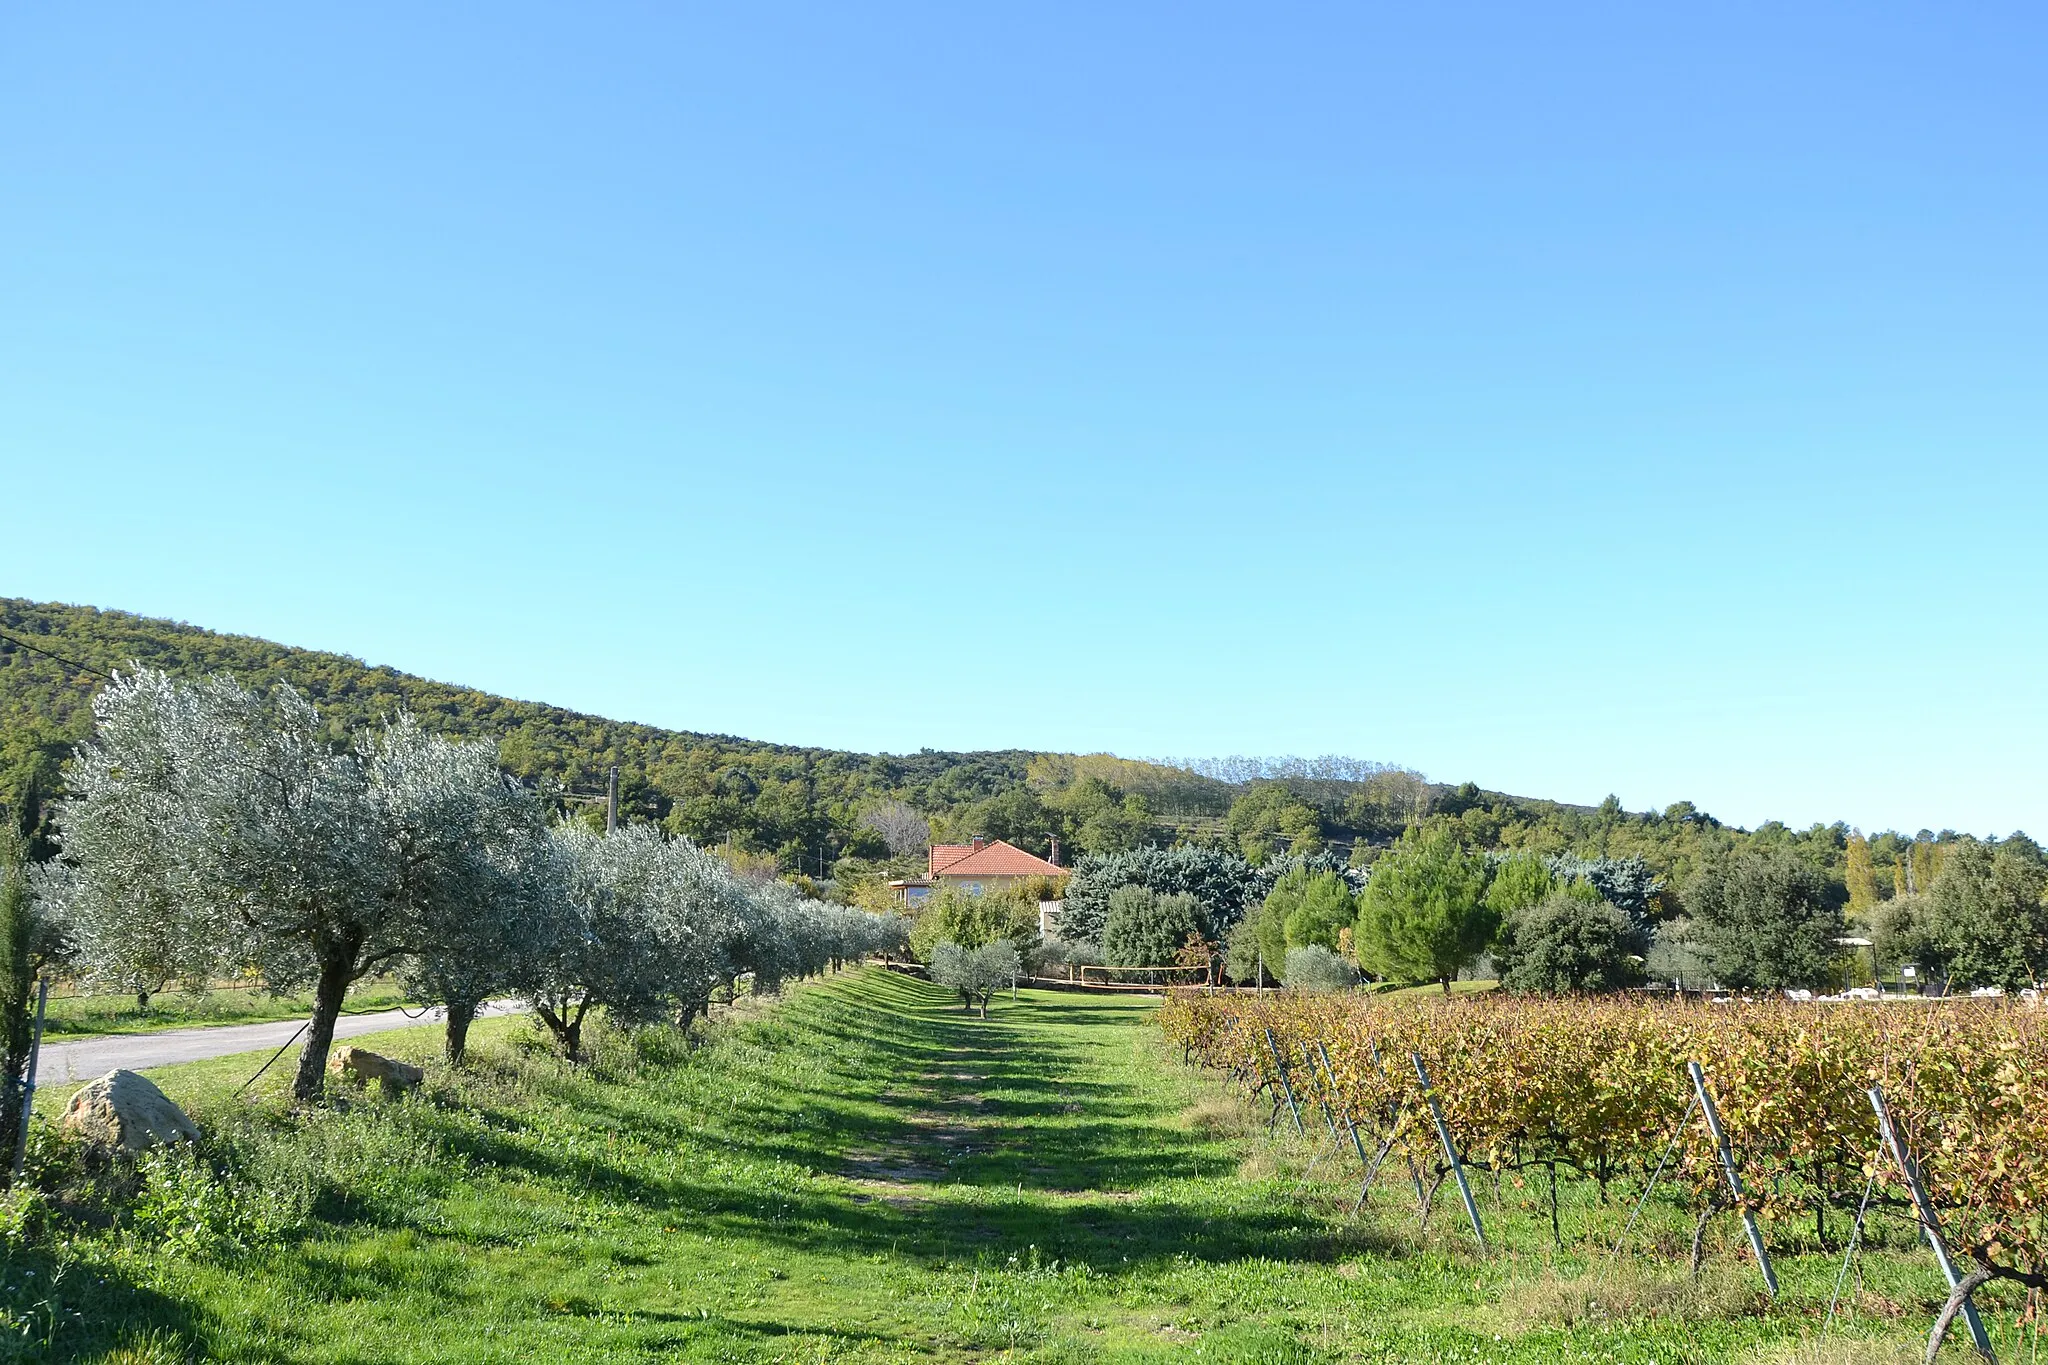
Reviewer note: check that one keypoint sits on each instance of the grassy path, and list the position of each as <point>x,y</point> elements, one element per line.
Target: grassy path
<point>861,1173</point>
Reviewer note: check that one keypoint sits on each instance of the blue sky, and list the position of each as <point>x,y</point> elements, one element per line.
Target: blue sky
<point>1572,398</point>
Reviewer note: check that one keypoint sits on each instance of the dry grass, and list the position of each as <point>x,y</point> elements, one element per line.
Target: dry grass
<point>1627,1295</point>
<point>1219,1113</point>
<point>1262,1164</point>
<point>1836,1351</point>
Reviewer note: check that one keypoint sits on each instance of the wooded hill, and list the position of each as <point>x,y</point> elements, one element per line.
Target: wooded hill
<point>762,795</point>
<point>805,805</point>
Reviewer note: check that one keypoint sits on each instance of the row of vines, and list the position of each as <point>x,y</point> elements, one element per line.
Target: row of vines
<point>1600,1089</point>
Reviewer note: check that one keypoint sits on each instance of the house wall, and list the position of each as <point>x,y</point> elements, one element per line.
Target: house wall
<point>976,886</point>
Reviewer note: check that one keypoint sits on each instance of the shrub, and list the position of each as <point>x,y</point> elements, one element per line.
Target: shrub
<point>1567,944</point>
<point>1052,955</point>
<point>1315,968</point>
<point>195,1211</point>
<point>1148,930</point>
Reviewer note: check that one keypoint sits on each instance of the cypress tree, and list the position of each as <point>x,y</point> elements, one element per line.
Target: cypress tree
<point>17,981</point>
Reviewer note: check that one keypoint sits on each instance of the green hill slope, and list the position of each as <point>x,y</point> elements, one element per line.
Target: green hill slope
<point>804,804</point>
<point>765,796</point>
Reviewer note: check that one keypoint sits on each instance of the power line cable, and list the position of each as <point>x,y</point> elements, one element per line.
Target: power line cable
<point>71,663</point>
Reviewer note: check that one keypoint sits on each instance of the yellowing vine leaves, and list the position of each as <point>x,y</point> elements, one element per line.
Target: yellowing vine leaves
<point>1599,1086</point>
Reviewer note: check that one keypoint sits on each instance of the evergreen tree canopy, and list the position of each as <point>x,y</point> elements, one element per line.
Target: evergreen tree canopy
<point>1567,944</point>
<point>1519,881</point>
<point>1219,880</point>
<point>1988,904</point>
<point>1766,919</point>
<point>1145,929</point>
<point>1423,915</point>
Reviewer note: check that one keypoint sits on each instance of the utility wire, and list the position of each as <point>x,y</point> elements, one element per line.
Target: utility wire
<point>72,663</point>
<point>308,1024</point>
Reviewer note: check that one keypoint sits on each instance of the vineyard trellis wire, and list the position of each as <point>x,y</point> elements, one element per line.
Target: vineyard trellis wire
<point>1601,1088</point>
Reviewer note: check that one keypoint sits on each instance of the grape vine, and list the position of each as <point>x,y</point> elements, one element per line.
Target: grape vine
<point>1598,1087</point>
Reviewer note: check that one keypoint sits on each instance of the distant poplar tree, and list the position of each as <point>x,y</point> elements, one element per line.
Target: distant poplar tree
<point>1860,874</point>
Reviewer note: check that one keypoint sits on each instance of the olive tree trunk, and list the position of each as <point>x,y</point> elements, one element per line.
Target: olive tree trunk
<point>337,971</point>
<point>461,1014</point>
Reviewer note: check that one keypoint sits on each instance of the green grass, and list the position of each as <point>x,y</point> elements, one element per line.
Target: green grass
<point>72,1017</point>
<point>859,1173</point>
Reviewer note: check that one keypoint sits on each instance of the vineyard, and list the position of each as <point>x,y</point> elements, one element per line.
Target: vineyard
<point>1600,1092</point>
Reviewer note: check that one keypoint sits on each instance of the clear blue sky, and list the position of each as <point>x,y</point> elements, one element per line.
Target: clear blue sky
<point>1573,398</point>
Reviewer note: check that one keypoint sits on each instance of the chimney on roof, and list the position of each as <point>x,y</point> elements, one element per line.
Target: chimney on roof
<point>980,842</point>
<point>1055,858</point>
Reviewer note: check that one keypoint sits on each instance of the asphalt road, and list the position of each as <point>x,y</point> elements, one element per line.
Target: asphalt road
<point>90,1057</point>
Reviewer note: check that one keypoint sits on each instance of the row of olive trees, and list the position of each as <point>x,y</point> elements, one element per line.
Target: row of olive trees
<point>214,830</point>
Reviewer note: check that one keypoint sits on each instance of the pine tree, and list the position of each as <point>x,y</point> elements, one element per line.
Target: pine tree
<point>17,980</point>
<point>1424,913</point>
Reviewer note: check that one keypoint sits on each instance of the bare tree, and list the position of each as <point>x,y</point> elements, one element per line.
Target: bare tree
<point>901,827</point>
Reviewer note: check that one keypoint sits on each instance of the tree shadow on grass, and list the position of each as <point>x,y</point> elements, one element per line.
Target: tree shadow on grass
<point>1110,1237</point>
<point>80,1310</point>
<point>1049,1160</point>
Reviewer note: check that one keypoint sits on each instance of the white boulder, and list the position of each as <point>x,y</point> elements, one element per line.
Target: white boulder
<point>122,1109</point>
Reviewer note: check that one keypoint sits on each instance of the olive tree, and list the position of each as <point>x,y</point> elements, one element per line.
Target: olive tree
<point>649,930</point>
<point>216,826</point>
<point>781,936</point>
<point>856,935</point>
<point>139,923</point>
<point>977,973</point>
<point>465,849</point>
<point>1312,967</point>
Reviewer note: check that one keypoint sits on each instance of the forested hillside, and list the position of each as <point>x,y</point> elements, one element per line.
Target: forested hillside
<point>813,809</point>
<point>713,787</point>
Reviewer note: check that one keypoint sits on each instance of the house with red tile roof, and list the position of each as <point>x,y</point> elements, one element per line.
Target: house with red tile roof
<point>981,866</point>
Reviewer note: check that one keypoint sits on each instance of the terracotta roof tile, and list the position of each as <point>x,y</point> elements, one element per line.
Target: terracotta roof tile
<point>942,854</point>
<point>995,859</point>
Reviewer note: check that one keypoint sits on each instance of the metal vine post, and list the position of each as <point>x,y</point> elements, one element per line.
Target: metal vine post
<point>1929,1224</point>
<point>1322,1091</point>
<point>1285,1088</point>
<point>1394,1122</point>
<point>1443,1132</point>
<point>1349,1127</point>
<point>1720,1136</point>
<point>1855,1240</point>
